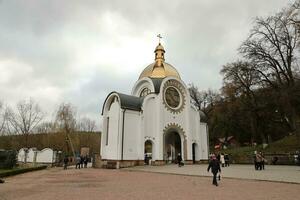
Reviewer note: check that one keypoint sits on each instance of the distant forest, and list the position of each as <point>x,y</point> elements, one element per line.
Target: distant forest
<point>24,127</point>
<point>259,101</point>
<point>56,141</point>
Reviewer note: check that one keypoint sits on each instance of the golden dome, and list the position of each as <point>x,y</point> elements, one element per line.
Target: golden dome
<point>159,69</point>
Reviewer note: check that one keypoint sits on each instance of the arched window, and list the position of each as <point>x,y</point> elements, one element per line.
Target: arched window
<point>145,92</point>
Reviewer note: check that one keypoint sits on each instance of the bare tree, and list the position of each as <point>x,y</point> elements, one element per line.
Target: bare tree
<point>272,46</point>
<point>2,118</point>
<point>65,118</point>
<point>293,14</point>
<point>66,122</point>
<point>196,96</point>
<point>26,117</point>
<point>242,79</point>
<point>45,127</point>
<point>86,125</point>
<point>203,100</point>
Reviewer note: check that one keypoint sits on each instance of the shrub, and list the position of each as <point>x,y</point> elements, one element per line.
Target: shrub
<point>20,171</point>
<point>8,159</point>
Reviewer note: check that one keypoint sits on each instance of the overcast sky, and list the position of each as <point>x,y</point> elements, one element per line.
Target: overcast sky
<point>78,51</point>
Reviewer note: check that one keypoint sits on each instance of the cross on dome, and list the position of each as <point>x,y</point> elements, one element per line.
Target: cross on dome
<point>159,37</point>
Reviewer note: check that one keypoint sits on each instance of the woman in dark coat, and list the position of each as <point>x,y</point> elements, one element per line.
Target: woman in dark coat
<point>214,165</point>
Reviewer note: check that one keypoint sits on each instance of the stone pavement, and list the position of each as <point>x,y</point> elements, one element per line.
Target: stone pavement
<point>278,173</point>
<point>104,184</point>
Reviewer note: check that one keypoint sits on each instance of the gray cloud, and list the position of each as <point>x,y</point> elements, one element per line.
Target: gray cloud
<point>79,51</point>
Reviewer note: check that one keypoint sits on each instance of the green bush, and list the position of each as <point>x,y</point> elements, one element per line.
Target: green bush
<point>20,171</point>
<point>8,159</point>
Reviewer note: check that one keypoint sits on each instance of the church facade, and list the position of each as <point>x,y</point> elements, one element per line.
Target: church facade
<point>155,123</point>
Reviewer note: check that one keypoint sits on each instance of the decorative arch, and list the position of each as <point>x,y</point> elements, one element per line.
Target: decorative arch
<point>149,149</point>
<point>141,84</point>
<point>174,127</point>
<point>108,101</point>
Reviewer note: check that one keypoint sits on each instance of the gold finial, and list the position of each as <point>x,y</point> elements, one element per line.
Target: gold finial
<point>159,37</point>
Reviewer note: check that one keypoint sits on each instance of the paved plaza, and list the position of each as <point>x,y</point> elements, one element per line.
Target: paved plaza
<point>136,184</point>
<point>278,173</point>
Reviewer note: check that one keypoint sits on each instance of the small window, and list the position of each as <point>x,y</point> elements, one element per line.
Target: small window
<point>107,130</point>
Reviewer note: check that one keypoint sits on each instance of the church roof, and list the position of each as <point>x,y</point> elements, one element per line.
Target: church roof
<point>157,83</point>
<point>127,101</point>
<point>165,70</point>
<point>130,102</point>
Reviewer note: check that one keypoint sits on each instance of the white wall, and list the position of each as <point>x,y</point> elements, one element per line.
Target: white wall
<point>31,155</point>
<point>45,156</point>
<point>21,155</point>
<point>110,151</point>
<point>132,136</point>
<point>204,144</point>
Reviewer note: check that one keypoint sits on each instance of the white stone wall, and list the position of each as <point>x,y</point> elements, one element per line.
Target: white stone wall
<point>111,149</point>
<point>204,141</point>
<point>31,155</point>
<point>132,136</point>
<point>149,129</point>
<point>46,155</point>
<point>21,155</point>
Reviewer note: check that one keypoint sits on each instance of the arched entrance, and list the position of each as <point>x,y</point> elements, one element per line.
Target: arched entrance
<point>172,146</point>
<point>148,152</point>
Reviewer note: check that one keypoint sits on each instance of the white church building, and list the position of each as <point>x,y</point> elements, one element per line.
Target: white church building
<point>156,122</point>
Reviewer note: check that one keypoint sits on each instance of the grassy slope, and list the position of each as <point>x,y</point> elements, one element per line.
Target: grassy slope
<point>288,144</point>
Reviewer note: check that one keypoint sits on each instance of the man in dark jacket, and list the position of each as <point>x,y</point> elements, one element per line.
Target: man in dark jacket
<point>214,164</point>
<point>179,160</point>
<point>66,160</point>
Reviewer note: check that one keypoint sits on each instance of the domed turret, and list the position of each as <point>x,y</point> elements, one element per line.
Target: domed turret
<point>159,69</point>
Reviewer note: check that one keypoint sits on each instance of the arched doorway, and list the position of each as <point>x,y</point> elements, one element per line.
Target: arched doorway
<point>172,146</point>
<point>148,152</point>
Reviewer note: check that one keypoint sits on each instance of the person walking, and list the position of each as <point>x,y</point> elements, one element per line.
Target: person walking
<point>85,161</point>
<point>214,165</point>
<point>263,160</point>
<point>226,158</point>
<point>81,161</point>
<point>78,160</point>
<point>259,161</point>
<point>222,159</point>
<point>66,160</point>
<point>179,160</point>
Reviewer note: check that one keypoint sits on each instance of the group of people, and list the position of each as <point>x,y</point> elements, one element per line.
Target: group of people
<point>259,161</point>
<point>80,161</point>
<point>223,159</point>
